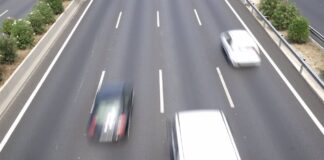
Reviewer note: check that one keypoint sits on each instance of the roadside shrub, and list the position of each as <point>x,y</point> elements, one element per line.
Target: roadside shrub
<point>283,15</point>
<point>36,20</point>
<point>46,11</point>
<point>298,31</point>
<point>23,33</point>
<point>7,25</point>
<point>7,50</point>
<point>267,7</point>
<point>56,5</point>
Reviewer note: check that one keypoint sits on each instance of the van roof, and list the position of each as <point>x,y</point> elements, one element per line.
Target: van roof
<point>205,135</point>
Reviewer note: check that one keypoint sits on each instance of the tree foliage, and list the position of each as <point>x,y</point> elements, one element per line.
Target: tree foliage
<point>7,25</point>
<point>45,10</point>
<point>267,7</point>
<point>283,15</point>
<point>298,31</point>
<point>7,49</point>
<point>37,21</point>
<point>23,32</point>
<point>56,5</point>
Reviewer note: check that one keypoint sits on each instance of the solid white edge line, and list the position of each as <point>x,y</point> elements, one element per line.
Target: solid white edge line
<point>98,88</point>
<point>30,99</point>
<point>3,13</point>
<point>225,88</point>
<point>197,17</point>
<point>283,77</point>
<point>158,18</point>
<point>161,91</point>
<point>118,20</point>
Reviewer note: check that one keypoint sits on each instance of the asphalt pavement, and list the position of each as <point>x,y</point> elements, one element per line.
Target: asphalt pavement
<point>174,43</point>
<point>313,10</point>
<point>15,8</point>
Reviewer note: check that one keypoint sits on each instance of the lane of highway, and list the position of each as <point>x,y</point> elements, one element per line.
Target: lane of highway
<point>187,67</point>
<point>61,138</point>
<point>57,112</point>
<point>313,10</point>
<point>290,119</point>
<point>130,42</point>
<point>266,111</point>
<point>260,94</point>
<point>15,8</point>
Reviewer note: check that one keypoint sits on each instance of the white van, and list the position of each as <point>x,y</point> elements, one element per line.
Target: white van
<point>202,135</point>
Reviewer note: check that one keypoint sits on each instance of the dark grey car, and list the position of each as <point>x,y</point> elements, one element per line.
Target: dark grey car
<point>111,113</point>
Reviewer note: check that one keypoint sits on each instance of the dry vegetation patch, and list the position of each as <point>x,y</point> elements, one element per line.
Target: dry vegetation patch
<point>313,54</point>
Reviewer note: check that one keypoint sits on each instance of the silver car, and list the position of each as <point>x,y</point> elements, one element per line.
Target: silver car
<point>240,48</point>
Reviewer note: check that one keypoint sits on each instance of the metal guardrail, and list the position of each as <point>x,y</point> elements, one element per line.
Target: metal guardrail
<point>282,41</point>
<point>317,34</point>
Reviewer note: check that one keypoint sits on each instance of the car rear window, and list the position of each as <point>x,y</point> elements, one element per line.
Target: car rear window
<point>107,108</point>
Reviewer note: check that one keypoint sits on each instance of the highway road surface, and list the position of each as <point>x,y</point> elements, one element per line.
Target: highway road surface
<point>15,8</point>
<point>313,10</point>
<point>170,51</point>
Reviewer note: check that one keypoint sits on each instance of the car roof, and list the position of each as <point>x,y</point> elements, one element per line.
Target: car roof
<point>205,135</point>
<point>241,38</point>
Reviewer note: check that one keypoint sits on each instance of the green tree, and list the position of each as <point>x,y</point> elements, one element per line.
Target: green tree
<point>37,21</point>
<point>7,25</point>
<point>298,30</point>
<point>267,7</point>
<point>47,12</point>
<point>56,5</point>
<point>7,50</point>
<point>23,32</point>
<point>283,15</point>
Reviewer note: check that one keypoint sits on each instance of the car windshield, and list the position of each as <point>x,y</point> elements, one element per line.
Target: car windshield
<point>107,113</point>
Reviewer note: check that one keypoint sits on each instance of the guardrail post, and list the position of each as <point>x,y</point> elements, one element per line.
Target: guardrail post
<point>301,68</point>
<point>280,41</point>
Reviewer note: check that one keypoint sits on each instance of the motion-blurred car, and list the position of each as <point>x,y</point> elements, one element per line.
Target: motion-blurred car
<point>240,48</point>
<point>111,112</point>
